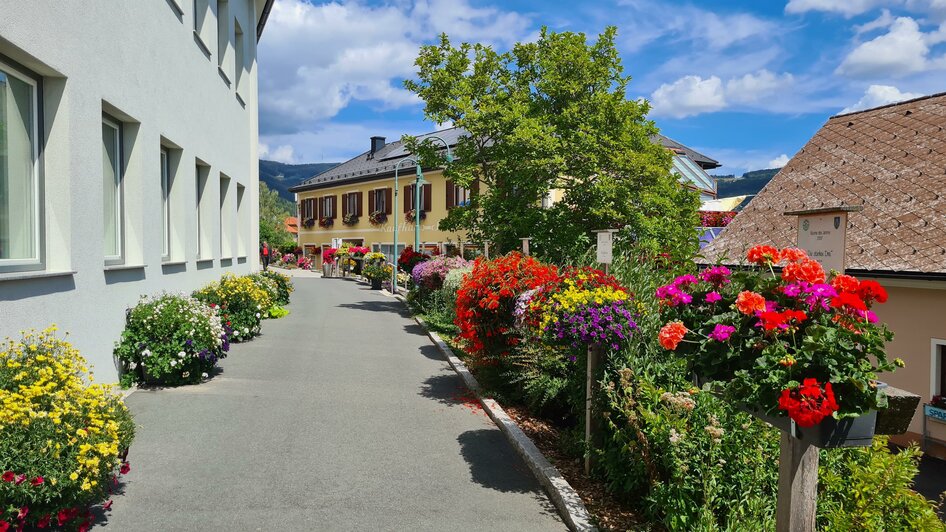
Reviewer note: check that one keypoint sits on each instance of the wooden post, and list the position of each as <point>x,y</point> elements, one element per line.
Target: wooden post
<point>525,246</point>
<point>797,485</point>
<point>591,387</point>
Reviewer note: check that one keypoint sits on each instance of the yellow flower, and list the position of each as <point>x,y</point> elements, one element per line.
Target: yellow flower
<point>73,476</point>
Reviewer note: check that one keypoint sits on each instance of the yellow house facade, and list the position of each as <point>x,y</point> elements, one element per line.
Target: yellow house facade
<point>358,201</point>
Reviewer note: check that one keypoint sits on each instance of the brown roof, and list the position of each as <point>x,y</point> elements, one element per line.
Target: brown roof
<point>891,160</point>
<point>292,224</point>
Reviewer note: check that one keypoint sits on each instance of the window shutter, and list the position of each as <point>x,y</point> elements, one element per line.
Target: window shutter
<point>476,188</point>
<point>451,194</point>
<point>359,201</point>
<point>408,198</point>
<point>344,205</point>
<point>334,201</point>
<point>425,198</point>
<point>388,201</point>
<point>371,196</point>
<point>318,208</point>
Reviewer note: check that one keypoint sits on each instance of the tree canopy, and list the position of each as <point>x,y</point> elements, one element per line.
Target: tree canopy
<point>273,211</point>
<point>550,115</point>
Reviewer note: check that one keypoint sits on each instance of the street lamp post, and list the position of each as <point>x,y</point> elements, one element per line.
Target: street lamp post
<point>417,188</point>
<point>420,176</point>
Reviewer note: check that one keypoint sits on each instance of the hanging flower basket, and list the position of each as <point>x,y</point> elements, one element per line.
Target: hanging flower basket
<point>351,219</point>
<point>308,223</point>
<point>410,215</point>
<point>326,222</point>
<point>377,218</point>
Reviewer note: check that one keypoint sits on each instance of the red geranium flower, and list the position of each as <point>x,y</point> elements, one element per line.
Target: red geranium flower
<point>44,522</point>
<point>126,467</point>
<point>36,481</point>
<point>793,254</point>
<point>20,479</point>
<point>671,335</point>
<point>9,476</point>
<point>4,526</point>
<point>808,404</point>
<point>872,291</point>
<point>750,302</point>
<point>848,300</point>
<point>845,283</point>
<point>807,270</point>
<point>762,255</point>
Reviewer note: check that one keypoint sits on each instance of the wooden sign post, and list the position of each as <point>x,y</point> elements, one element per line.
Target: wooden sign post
<point>604,255</point>
<point>525,246</point>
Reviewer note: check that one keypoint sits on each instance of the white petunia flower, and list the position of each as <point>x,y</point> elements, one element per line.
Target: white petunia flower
<point>182,354</point>
<point>133,365</point>
<point>203,375</point>
<point>173,363</point>
<point>186,374</point>
<point>257,314</point>
<point>146,353</point>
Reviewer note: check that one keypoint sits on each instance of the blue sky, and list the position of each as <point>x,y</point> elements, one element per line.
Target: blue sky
<point>746,82</point>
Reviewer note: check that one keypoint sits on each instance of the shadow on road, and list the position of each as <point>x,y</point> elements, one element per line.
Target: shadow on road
<point>483,450</point>
<point>446,389</point>
<point>931,481</point>
<point>377,306</point>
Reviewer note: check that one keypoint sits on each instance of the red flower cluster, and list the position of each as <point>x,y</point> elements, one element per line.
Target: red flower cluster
<point>487,296</point>
<point>808,404</point>
<point>778,321</point>
<point>763,255</point>
<point>410,258</point>
<point>671,335</point>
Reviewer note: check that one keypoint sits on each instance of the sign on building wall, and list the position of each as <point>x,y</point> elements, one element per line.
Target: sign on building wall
<point>823,234</point>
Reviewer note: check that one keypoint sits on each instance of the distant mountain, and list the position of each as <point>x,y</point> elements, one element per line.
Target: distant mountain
<point>281,176</point>
<point>750,182</point>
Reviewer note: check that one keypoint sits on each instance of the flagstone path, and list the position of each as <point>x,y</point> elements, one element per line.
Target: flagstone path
<point>341,416</point>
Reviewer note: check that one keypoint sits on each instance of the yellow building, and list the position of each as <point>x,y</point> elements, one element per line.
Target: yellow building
<point>358,201</point>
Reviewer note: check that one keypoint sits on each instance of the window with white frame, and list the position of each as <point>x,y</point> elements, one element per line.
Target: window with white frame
<point>380,200</point>
<point>165,204</point>
<point>112,190</point>
<point>19,170</point>
<point>328,205</point>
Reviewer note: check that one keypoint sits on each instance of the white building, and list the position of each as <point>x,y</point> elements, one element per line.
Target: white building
<point>128,158</point>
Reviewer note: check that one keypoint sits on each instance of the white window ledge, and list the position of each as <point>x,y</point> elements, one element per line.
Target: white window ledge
<point>38,274</point>
<point>121,267</point>
<point>205,259</point>
<point>173,262</point>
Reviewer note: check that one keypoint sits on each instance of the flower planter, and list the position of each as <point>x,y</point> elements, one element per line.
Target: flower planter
<point>359,264</point>
<point>326,270</point>
<point>376,284</point>
<point>830,433</point>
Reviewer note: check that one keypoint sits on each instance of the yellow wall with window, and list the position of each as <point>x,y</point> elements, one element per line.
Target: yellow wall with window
<point>315,237</point>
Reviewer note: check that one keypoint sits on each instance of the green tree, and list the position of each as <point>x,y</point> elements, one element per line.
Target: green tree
<point>550,114</point>
<point>273,211</point>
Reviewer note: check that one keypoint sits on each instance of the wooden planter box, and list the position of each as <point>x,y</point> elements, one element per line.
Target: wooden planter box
<point>830,433</point>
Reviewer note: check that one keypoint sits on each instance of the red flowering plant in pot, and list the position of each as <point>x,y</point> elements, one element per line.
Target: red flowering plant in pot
<point>798,344</point>
<point>410,258</point>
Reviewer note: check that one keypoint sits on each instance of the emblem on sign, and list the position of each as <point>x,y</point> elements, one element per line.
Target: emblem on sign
<point>837,222</point>
<point>805,225</point>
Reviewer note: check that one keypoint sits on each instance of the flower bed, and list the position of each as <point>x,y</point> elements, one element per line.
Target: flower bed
<point>63,438</point>
<point>409,259</point>
<point>802,343</point>
<point>171,339</point>
<point>430,274</point>
<point>242,304</point>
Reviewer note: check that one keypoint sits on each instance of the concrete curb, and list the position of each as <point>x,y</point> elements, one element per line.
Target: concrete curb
<point>563,496</point>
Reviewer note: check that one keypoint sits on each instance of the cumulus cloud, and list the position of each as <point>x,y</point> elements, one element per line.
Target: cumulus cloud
<point>877,95</point>
<point>692,95</point>
<point>779,161</point>
<point>318,59</point>
<point>754,86</point>
<point>282,154</point>
<point>903,50</point>
<point>688,96</point>
<point>847,8</point>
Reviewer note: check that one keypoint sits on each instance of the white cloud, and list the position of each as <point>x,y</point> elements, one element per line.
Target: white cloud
<point>692,95</point>
<point>847,8</point>
<point>337,142</point>
<point>688,96</point>
<point>779,161</point>
<point>317,59</point>
<point>752,87</point>
<point>903,50</point>
<point>877,95</point>
<point>282,154</point>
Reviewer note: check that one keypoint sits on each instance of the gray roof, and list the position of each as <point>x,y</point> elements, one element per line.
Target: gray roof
<point>368,166</point>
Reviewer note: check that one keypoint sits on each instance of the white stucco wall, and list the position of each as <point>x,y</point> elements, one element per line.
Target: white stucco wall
<point>138,60</point>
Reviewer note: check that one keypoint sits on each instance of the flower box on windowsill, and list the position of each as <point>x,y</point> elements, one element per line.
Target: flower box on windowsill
<point>326,222</point>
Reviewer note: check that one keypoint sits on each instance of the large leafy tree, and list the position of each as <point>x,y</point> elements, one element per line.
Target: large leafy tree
<point>273,211</point>
<point>550,114</point>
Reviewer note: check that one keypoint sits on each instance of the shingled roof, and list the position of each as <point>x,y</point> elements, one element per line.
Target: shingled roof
<point>890,160</point>
<point>380,163</point>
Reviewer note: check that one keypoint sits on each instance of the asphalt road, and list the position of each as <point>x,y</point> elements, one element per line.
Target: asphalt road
<point>342,416</point>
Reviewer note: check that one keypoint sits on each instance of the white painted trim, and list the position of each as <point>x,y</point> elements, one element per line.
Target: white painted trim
<point>935,369</point>
<point>38,214</point>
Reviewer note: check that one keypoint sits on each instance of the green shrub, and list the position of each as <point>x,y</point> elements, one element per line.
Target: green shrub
<point>171,339</point>
<point>63,439</point>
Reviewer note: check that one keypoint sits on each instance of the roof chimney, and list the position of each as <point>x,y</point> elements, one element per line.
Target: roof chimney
<point>376,144</point>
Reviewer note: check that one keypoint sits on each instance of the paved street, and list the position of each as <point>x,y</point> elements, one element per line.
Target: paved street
<point>342,416</point>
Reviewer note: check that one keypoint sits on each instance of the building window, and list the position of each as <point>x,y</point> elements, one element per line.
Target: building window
<point>239,57</point>
<point>457,196</point>
<point>204,246</point>
<point>112,189</point>
<point>241,221</point>
<point>547,200</point>
<point>328,207</point>
<point>202,25</point>
<point>19,170</point>
<point>165,204</point>
<point>224,57</point>
<point>226,219</point>
<point>351,203</point>
<point>940,370</point>
<point>380,200</point>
